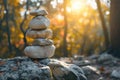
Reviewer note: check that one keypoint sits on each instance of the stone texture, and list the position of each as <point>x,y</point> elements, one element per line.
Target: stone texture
<point>91,71</point>
<point>39,12</point>
<point>92,74</point>
<point>105,57</point>
<point>63,71</point>
<point>39,22</point>
<point>39,51</point>
<point>47,33</point>
<point>42,42</point>
<point>116,73</point>
<point>41,47</point>
<point>24,69</point>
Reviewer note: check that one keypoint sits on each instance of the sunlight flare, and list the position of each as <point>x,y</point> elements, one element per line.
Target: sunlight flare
<point>60,17</point>
<point>76,5</point>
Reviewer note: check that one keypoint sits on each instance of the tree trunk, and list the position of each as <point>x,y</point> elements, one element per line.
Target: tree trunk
<point>7,25</point>
<point>115,27</point>
<point>65,51</point>
<point>105,30</point>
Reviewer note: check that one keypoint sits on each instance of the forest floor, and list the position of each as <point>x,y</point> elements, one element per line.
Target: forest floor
<point>97,67</point>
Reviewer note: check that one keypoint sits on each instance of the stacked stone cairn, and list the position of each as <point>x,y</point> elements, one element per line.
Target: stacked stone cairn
<point>42,46</point>
<point>34,67</point>
<point>23,68</point>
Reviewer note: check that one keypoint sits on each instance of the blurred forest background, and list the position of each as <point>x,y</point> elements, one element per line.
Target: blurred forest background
<point>80,27</point>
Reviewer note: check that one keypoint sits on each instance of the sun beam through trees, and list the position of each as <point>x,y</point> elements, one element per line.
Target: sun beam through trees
<point>84,33</point>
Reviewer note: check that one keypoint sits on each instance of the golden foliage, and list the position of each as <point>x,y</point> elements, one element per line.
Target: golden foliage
<point>84,34</point>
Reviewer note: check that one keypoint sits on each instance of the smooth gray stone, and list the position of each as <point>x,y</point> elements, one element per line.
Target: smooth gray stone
<point>39,51</point>
<point>42,42</point>
<point>39,22</point>
<point>38,12</point>
<point>47,33</point>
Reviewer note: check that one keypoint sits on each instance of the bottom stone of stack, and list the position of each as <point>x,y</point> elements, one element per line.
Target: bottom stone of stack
<point>39,51</point>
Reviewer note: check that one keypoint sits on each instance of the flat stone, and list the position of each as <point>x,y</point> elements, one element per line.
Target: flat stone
<point>42,42</point>
<point>39,12</point>
<point>39,51</point>
<point>39,22</point>
<point>47,33</point>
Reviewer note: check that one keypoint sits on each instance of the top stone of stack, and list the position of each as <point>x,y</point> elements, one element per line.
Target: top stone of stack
<point>40,21</point>
<point>39,12</point>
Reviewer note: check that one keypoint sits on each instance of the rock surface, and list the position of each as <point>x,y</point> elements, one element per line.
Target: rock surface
<point>39,34</point>
<point>105,57</point>
<point>42,42</point>
<point>116,73</point>
<point>38,12</point>
<point>107,69</point>
<point>40,51</point>
<point>23,68</point>
<point>39,22</point>
<point>63,71</point>
<point>91,72</point>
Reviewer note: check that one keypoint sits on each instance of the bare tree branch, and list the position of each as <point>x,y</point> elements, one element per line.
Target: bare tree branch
<point>22,23</point>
